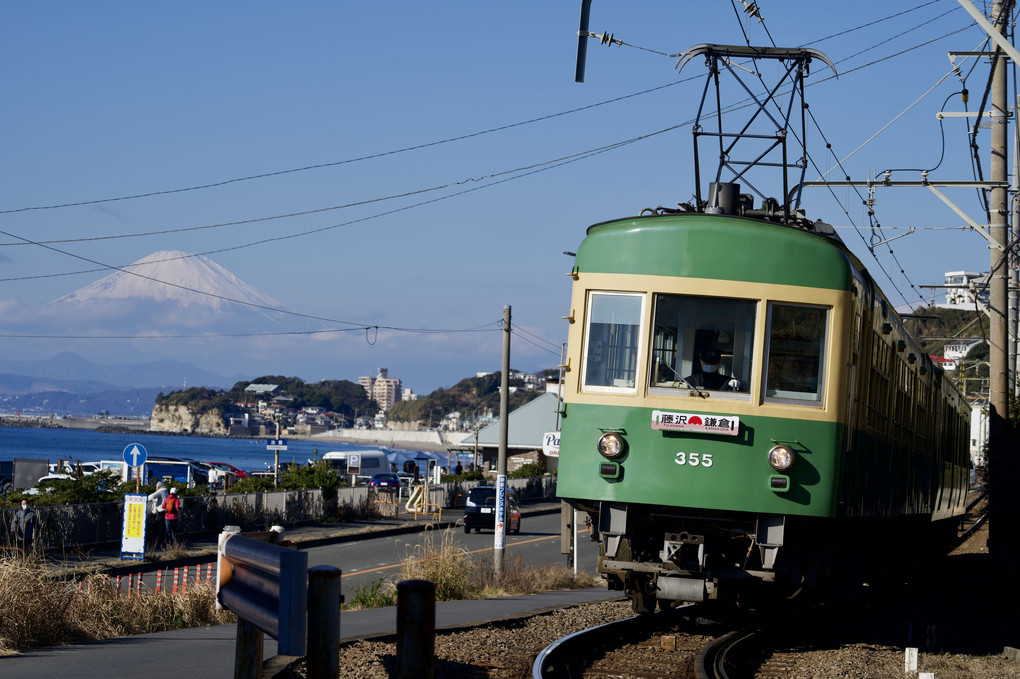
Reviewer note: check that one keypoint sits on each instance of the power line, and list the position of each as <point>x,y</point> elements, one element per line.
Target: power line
<point>519,173</point>
<point>264,307</point>
<point>415,147</point>
<point>337,163</point>
<point>489,327</point>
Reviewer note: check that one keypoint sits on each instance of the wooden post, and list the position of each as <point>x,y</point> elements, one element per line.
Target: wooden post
<point>322,659</point>
<point>416,629</point>
<point>248,651</point>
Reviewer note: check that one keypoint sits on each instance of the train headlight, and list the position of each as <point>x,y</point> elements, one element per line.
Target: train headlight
<point>781,457</point>
<point>612,445</point>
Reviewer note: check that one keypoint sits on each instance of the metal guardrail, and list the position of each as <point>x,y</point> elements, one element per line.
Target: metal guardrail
<point>272,591</point>
<point>266,585</point>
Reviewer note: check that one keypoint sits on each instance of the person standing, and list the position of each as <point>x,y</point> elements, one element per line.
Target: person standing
<point>156,500</point>
<point>214,479</point>
<point>24,527</point>
<point>171,516</point>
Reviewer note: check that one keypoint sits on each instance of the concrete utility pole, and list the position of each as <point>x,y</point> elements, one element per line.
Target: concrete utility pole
<point>504,431</point>
<point>1000,529</point>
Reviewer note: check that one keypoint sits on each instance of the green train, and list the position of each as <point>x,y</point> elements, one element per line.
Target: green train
<point>743,411</point>
<point>743,406</point>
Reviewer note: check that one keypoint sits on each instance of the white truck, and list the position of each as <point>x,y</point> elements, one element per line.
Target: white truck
<point>360,463</point>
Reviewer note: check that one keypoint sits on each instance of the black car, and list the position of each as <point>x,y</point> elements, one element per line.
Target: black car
<point>480,510</point>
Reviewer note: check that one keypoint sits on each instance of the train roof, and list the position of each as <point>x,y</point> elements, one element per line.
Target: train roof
<point>700,245</point>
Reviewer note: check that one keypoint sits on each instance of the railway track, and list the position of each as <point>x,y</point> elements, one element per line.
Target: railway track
<point>667,644</point>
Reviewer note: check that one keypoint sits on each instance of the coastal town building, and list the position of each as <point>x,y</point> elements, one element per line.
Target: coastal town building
<point>382,389</point>
<point>964,288</point>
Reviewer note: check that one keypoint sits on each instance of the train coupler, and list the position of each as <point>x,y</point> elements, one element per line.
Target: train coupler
<point>686,550</point>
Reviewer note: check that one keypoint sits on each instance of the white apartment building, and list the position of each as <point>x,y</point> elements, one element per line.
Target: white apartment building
<point>962,286</point>
<point>382,389</point>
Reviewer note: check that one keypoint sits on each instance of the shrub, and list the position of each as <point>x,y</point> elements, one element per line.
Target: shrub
<point>252,484</point>
<point>319,474</point>
<point>525,471</point>
<point>376,594</point>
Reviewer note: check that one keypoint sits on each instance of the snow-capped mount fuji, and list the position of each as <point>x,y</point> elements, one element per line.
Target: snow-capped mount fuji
<point>168,290</point>
<point>171,275</point>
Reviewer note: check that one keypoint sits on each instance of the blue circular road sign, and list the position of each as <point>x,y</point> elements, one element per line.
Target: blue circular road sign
<point>134,455</point>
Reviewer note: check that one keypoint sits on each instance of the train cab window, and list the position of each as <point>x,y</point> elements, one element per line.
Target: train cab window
<point>612,341</point>
<point>795,354</point>
<point>702,343</point>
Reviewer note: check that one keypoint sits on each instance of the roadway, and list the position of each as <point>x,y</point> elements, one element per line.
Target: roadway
<point>363,552</point>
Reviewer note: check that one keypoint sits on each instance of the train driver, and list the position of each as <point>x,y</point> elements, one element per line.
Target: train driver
<point>709,376</point>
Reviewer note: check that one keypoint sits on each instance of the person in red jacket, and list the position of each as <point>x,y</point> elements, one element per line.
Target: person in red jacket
<point>171,515</point>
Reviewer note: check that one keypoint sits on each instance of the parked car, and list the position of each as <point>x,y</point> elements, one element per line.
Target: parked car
<point>480,510</point>
<point>385,480</point>
<point>227,467</point>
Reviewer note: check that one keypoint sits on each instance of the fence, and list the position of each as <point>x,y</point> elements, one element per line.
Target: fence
<point>83,525</point>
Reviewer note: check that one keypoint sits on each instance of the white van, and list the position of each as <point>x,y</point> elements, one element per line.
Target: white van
<point>369,460</point>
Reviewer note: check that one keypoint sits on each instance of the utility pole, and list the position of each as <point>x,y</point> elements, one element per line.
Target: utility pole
<point>1000,532</point>
<point>504,431</point>
<point>1013,317</point>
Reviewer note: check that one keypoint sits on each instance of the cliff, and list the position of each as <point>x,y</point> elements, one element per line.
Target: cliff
<point>182,420</point>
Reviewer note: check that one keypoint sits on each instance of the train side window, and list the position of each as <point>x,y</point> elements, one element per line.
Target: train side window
<point>613,340</point>
<point>687,329</point>
<point>795,355</point>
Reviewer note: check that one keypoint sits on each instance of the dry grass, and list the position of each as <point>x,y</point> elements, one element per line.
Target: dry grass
<point>458,576</point>
<point>442,562</point>
<point>43,611</point>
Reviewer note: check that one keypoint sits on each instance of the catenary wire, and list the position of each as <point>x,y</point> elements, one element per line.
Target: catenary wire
<point>323,165</point>
<point>331,208</point>
<point>916,46</point>
<point>347,161</point>
<point>536,169</point>
<point>416,146</point>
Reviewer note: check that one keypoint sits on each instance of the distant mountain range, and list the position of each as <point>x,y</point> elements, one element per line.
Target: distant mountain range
<point>67,384</point>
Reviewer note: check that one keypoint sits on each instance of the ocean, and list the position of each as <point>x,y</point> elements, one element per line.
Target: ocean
<point>87,445</point>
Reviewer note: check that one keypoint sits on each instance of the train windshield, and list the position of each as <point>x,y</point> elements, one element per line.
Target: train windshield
<point>704,343</point>
<point>613,339</point>
<point>796,353</point>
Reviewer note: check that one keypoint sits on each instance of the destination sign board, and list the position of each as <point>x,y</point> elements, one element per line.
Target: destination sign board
<point>726,425</point>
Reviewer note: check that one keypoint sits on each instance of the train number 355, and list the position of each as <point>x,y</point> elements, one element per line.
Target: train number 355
<point>694,459</point>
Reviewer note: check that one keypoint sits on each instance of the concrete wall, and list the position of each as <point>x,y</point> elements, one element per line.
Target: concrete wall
<point>425,440</point>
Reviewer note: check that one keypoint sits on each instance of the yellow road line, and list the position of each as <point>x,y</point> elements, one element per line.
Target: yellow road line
<point>477,551</point>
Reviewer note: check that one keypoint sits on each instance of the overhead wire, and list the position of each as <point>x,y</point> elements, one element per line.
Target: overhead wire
<point>521,173</point>
<point>415,147</point>
<point>521,336</point>
<point>254,305</point>
<point>347,161</point>
<point>335,163</point>
<point>368,201</point>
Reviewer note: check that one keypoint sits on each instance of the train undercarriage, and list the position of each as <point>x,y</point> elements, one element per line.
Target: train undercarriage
<point>659,556</point>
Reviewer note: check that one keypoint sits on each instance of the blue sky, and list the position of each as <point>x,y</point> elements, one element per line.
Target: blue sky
<point>116,99</point>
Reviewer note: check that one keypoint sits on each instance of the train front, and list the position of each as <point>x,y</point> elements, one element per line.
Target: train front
<point>705,400</point>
